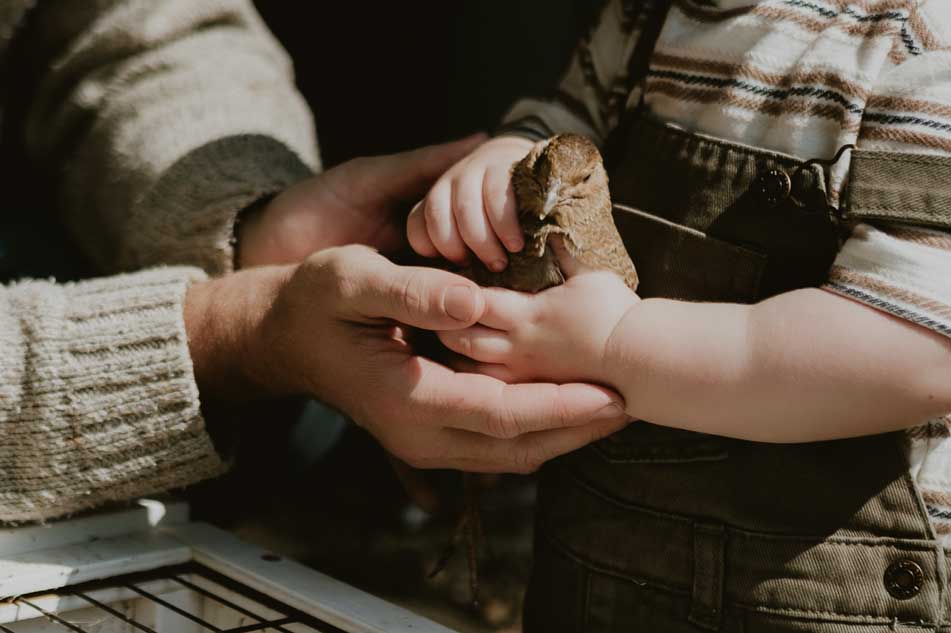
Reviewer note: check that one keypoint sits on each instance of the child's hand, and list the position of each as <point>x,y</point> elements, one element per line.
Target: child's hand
<point>561,334</point>
<point>472,208</point>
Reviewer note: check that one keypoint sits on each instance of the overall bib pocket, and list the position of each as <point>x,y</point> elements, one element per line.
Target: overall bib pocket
<point>679,262</point>
<point>642,442</point>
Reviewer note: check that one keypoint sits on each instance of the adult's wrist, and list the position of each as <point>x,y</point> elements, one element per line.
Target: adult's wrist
<point>247,233</point>
<point>224,322</point>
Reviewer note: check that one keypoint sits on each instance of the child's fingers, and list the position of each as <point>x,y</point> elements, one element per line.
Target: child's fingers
<point>440,225</point>
<point>417,235</point>
<point>506,309</point>
<point>500,207</point>
<point>469,213</point>
<point>479,343</point>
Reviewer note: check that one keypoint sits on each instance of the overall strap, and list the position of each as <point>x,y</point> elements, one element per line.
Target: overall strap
<point>638,65</point>
<point>653,15</point>
<point>900,187</point>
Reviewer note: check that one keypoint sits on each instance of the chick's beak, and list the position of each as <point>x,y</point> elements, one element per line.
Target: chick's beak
<point>551,199</point>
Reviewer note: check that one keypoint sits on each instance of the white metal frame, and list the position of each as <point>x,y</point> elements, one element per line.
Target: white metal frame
<point>44,558</point>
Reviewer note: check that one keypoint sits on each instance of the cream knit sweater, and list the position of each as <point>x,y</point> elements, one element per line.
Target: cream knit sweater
<point>161,120</point>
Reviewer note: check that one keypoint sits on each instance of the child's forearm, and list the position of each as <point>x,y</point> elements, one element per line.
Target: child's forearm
<point>804,366</point>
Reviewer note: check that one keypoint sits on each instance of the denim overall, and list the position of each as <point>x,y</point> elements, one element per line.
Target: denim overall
<point>661,530</point>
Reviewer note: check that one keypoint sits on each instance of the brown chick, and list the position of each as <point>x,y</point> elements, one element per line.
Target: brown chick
<point>561,188</point>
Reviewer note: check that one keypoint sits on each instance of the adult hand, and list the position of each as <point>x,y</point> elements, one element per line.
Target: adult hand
<point>333,328</point>
<point>357,202</point>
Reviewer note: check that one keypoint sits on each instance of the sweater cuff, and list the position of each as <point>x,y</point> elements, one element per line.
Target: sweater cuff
<point>111,406</point>
<point>188,216</point>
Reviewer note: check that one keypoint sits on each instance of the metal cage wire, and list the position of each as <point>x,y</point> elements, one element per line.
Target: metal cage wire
<point>184,576</point>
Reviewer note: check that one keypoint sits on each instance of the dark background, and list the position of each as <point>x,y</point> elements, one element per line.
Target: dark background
<point>382,77</point>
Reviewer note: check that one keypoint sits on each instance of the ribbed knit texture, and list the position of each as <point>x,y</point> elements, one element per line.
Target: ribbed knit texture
<point>803,77</point>
<point>97,397</point>
<point>157,121</point>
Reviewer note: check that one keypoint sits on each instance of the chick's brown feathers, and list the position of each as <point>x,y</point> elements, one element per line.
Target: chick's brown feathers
<point>561,188</point>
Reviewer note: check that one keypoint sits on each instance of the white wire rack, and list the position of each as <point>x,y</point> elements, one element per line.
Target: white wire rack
<point>150,570</point>
<point>183,598</point>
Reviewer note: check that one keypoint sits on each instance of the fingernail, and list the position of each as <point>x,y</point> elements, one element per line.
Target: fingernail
<point>460,303</point>
<point>498,265</point>
<point>613,411</point>
<point>514,245</point>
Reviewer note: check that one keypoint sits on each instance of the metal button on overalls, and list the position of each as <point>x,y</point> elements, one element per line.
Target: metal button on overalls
<point>903,579</point>
<point>774,186</point>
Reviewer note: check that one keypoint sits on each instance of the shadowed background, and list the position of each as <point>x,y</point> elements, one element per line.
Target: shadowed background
<point>388,76</point>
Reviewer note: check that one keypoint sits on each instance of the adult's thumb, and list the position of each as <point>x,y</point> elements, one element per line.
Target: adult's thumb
<point>425,298</point>
<point>409,175</point>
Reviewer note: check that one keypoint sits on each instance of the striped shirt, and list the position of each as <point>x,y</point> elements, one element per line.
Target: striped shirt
<point>803,77</point>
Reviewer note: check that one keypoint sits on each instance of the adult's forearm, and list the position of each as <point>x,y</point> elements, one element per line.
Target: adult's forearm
<point>804,366</point>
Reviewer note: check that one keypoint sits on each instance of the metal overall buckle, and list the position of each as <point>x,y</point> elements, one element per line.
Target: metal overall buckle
<point>836,214</point>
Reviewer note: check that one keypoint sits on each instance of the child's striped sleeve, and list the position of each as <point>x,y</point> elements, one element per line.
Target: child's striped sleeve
<point>901,269</point>
<point>595,88</point>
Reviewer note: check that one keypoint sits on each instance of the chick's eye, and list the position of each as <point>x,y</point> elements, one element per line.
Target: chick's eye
<point>587,178</point>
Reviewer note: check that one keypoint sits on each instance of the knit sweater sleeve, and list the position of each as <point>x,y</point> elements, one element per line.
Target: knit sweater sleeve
<point>97,397</point>
<point>160,121</point>
<point>595,89</point>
